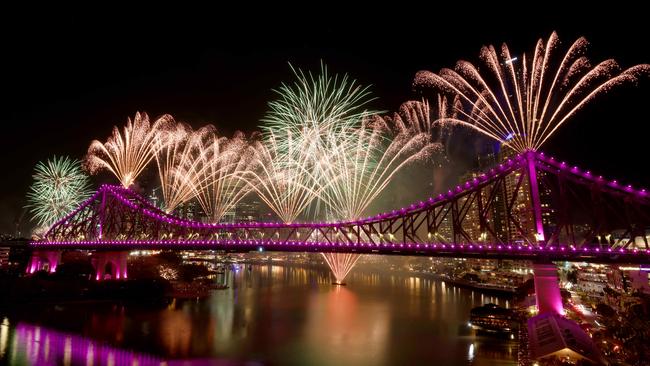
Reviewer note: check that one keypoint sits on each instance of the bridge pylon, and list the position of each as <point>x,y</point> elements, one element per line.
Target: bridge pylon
<point>547,288</point>
<point>110,265</point>
<point>531,170</point>
<point>46,260</point>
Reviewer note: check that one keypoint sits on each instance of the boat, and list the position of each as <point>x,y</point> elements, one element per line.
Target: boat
<point>493,318</point>
<point>479,286</point>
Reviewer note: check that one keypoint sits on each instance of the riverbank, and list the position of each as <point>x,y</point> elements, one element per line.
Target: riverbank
<point>46,289</point>
<point>483,287</point>
<point>489,289</point>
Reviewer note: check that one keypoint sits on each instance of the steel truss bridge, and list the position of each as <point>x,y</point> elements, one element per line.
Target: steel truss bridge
<point>530,207</point>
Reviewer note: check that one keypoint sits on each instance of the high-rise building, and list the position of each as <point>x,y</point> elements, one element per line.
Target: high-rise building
<point>248,210</point>
<point>4,256</point>
<point>486,161</point>
<point>155,197</point>
<point>471,222</point>
<point>514,196</point>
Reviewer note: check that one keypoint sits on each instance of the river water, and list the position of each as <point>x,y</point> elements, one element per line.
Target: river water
<point>270,315</point>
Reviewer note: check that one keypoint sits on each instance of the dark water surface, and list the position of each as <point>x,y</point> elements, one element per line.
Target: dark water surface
<point>270,315</point>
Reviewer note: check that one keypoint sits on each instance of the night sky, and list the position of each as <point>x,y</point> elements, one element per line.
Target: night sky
<point>67,79</point>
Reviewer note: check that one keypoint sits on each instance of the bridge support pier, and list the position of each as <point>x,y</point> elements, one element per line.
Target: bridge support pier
<point>110,265</point>
<point>43,260</point>
<point>547,289</point>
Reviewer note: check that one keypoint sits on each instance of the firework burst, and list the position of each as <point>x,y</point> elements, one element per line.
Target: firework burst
<point>218,173</point>
<point>522,101</point>
<point>127,154</point>
<point>315,106</point>
<point>280,174</point>
<point>59,186</point>
<point>178,157</point>
<point>319,143</point>
<point>421,117</point>
<point>356,174</point>
<point>341,264</point>
<point>296,131</point>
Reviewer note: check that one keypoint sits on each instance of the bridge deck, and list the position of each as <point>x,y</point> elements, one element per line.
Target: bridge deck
<point>561,253</point>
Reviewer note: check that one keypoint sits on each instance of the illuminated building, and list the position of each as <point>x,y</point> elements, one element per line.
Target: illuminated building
<point>248,210</point>
<point>506,230</point>
<point>555,338</point>
<point>4,256</point>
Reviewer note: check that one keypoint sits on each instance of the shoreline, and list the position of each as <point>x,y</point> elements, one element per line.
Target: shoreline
<point>484,288</point>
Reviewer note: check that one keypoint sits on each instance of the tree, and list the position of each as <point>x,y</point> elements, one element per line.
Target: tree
<point>572,276</point>
<point>170,257</point>
<point>605,310</point>
<point>75,270</point>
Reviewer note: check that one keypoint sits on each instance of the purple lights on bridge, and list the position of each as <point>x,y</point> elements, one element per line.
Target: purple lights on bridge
<point>569,253</point>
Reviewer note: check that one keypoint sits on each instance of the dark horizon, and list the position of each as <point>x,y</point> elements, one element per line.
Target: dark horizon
<point>68,79</point>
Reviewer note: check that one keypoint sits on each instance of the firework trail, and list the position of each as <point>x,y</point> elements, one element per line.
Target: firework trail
<point>356,175</point>
<point>298,128</point>
<point>315,106</point>
<point>280,174</point>
<point>522,101</point>
<point>59,187</point>
<point>127,154</point>
<point>218,173</point>
<point>419,117</point>
<point>178,160</point>
<point>341,264</point>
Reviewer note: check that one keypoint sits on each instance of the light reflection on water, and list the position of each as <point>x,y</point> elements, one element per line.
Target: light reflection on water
<point>269,315</point>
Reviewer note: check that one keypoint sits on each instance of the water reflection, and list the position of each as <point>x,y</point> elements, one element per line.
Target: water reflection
<point>338,321</point>
<point>268,315</point>
<point>36,345</point>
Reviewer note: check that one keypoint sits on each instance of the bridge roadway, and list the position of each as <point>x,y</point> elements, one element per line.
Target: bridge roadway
<point>484,251</point>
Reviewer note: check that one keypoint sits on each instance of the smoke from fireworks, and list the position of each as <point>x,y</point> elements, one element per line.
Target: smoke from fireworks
<point>522,101</point>
<point>127,154</point>
<point>59,187</point>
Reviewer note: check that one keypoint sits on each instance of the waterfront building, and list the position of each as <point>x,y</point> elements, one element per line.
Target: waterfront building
<point>553,338</point>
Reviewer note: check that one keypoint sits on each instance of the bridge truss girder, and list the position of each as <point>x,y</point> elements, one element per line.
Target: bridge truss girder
<point>493,209</point>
